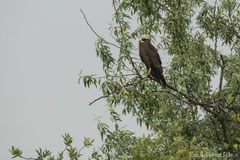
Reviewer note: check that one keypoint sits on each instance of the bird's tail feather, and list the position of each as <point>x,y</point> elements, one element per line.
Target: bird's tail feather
<point>158,77</point>
<point>163,81</point>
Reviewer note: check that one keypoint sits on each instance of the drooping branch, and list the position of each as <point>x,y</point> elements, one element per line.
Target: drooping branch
<point>117,16</point>
<point>121,29</point>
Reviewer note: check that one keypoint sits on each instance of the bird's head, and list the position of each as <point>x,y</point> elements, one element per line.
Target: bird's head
<point>143,39</point>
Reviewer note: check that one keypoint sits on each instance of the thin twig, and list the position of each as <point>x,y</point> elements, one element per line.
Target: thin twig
<point>96,32</point>
<point>168,92</point>
<point>164,7</point>
<point>109,94</point>
<point>30,158</point>
<point>134,67</point>
<point>80,150</point>
<point>124,75</point>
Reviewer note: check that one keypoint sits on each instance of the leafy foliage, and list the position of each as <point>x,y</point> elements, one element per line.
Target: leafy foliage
<point>197,116</point>
<point>73,152</point>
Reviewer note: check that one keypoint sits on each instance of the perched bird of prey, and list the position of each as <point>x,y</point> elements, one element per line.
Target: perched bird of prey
<point>150,57</point>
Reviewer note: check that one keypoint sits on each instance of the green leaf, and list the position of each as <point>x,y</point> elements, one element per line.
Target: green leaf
<point>16,152</point>
<point>214,94</point>
<point>229,98</point>
<point>193,141</point>
<point>88,142</point>
<point>67,139</point>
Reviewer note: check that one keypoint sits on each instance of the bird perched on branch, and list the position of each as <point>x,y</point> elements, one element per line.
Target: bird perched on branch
<point>150,57</point>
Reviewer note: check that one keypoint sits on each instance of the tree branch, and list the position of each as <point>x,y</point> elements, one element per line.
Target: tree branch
<point>216,33</point>
<point>118,89</point>
<point>120,25</point>
<point>194,101</point>
<point>222,70</point>
<point>30,158</point>
<point>134,67</point>
<point>124,75</point>
<point>215,129</point>
<point>117,16</point>
<point>85,18</point>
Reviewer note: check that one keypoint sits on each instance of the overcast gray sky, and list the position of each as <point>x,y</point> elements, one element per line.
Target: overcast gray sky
<point>43,46</point>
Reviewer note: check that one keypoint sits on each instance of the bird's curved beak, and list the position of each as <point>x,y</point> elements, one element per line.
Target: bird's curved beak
<point>141,40</point>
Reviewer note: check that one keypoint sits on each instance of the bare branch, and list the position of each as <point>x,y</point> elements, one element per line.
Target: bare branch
<point>134,67</point>
<point>124,75</point>
<point>96,32</point>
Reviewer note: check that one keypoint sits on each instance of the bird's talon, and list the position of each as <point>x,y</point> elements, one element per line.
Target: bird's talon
<point>149,73</point>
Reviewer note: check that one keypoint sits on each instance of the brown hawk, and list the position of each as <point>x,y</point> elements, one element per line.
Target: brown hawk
<point>150,57</point>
